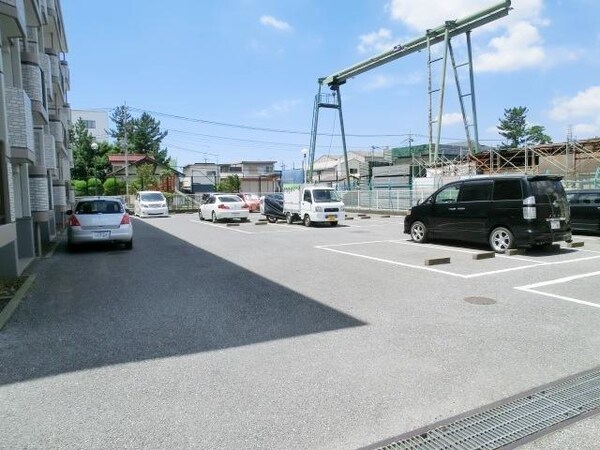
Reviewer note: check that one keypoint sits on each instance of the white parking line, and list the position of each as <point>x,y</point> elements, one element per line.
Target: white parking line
<point>531,288</point>
<point>533,263</point>
<point>289,229</point>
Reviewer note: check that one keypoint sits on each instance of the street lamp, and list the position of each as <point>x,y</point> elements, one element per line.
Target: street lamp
<point>304,152</point>
<point>94,149</point>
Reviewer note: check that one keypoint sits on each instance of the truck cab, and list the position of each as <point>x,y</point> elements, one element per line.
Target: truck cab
<point>312,204</point>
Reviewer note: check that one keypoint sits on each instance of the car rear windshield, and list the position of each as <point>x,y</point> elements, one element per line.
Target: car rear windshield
<point>99,207</point>
<point>547,190</point>
<point>152,197</point>
<point>230,199</point>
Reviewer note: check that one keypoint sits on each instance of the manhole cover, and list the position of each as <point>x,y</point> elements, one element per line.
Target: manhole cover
<point>480,300</point>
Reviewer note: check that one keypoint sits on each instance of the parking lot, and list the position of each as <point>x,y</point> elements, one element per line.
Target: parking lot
<point>436,340</point>
<point>277,336</point>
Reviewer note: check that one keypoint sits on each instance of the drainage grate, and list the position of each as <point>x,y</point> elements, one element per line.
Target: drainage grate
<point>506,422</point>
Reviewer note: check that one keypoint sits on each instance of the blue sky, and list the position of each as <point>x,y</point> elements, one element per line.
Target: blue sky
<point>220,74</point>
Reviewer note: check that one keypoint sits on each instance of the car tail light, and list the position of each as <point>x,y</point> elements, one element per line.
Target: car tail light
<point>529,210</point>
<point>125,220</point>
<point>246,205</point>
<point>222,206</point>
<point>73,222</point>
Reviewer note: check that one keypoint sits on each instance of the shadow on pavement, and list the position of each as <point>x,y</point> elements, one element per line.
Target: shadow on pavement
<point>164,298</point>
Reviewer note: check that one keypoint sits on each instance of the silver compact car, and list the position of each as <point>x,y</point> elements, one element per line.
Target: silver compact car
<point>99,220</point>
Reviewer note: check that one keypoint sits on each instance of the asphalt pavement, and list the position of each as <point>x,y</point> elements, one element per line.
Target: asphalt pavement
<point>281,336</point>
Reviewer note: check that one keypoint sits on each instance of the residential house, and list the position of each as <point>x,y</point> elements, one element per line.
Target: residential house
<point>255,176</point>
<point>35,159</point>
<point>124,168</point>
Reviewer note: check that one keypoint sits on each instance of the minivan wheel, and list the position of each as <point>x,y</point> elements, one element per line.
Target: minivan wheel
<point>418,232</point>
<point>501,239</point>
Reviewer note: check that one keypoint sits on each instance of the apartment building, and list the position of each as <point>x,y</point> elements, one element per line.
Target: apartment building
<point>96,122</point>
<point>35,159</point>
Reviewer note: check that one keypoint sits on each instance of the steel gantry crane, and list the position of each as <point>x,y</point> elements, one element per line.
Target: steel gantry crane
<point>443,33</point>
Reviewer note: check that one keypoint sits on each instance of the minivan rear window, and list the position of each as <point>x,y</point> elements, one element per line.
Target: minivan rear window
<point>545,190</point>
<point>507,189</point>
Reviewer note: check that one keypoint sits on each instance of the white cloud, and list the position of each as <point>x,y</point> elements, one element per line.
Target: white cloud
<point>452,118</point>
<point>519,48</point>
<point>583,104</point>
<point>519,45</point>
<point>378,82</point>
<point>277,109</point>
<point>582,111</point>
<point>271,21</point>
<point>376,42</point>
<point>424,14</point>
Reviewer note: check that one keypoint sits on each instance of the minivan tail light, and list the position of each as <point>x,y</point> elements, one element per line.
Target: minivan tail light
<point>125,220</point>
<point>73,221</point>
<point>529,210</point>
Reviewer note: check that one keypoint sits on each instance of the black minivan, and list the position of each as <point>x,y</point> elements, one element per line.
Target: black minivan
<point>504,211</point>
<point>585,210</point>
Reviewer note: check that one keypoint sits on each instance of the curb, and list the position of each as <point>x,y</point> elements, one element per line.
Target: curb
<point>14,302</point>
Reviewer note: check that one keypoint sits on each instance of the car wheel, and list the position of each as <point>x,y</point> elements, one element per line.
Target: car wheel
<point>307,222</point>
<point>129,245</point>
<point>244,219</point>
<point>200,216</point>
<point>333,224</point>
<point>288,218</point>
<point>501,239</point>
<point>214,217</point>
<point>271,219</point>
<point>418,232</point>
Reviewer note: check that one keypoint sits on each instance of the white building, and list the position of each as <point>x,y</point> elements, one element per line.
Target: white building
<point>95,121</point>
<point>35,159</point>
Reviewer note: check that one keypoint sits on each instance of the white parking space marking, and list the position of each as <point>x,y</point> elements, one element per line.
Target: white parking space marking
<point>532,263</point>
<point>288,228</point>
<point>532,288</point>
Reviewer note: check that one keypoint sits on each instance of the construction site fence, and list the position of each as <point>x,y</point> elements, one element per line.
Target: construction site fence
<point>389,200</point>
<point>398,200</point>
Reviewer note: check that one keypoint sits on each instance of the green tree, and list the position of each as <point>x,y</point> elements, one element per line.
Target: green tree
<point>80,187</point>
<point>513,127</point>
<point>145,177</point>
<point>231,184</point>
<point>144,135</point>
<point>83,156</point>
<point>112,186</point>
<point>122,120</point>
<point>536,134</point>
<point>88,162</point>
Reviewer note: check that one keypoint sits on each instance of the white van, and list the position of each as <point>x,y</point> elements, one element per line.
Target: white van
<point>150,204</point>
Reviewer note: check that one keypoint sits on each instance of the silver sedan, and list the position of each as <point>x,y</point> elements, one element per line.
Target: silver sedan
<point>97,220</point>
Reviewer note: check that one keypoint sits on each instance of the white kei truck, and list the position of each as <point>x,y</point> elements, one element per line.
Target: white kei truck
<point>312,203</point>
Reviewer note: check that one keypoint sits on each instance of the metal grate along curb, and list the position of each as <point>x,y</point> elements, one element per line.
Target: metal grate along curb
<point>518,419</point>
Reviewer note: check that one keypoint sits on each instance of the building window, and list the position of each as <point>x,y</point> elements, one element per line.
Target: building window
<point>90,124</point>
<point>354,171</point>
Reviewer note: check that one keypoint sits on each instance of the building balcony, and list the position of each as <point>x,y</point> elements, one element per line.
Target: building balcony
<point>12,18</point>
<point>20,125</point>
<point>34,86</point>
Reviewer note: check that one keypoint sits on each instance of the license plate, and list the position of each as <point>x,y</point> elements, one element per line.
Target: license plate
<point>555,224</point>
<point>331,217</point>
<point>235,213</point>
<point>101,235</point>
